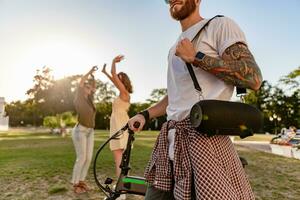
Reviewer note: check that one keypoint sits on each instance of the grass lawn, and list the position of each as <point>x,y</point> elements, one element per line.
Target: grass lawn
<point>39,166</point>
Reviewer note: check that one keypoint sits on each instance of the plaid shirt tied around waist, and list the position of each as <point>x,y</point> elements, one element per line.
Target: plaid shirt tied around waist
<point>210,164</point>
<point>159,170</point>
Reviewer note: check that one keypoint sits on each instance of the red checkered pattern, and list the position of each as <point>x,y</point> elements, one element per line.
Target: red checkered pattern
<point>211,163</point>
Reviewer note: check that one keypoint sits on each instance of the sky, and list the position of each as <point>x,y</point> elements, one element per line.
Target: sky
<point>70,36</point>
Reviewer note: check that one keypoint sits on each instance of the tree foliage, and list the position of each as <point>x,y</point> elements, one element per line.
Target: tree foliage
<point>292,79</point>
<point>49,97</point>
<point>280,104</point>
<point>66,119</point>
<point>156,95</point>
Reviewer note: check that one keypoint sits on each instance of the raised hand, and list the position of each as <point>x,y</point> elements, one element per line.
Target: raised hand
<point>104,68</point>
<point>118,59</point>
<point>94,68</point>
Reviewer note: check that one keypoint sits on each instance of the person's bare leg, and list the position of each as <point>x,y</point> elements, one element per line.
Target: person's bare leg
<point>118,157</point>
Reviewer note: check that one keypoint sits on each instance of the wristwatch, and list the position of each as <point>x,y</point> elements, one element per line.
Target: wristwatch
<point>200,55</point>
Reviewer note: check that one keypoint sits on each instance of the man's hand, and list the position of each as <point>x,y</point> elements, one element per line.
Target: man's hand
<point>137,118</point>
<point>186,51</point>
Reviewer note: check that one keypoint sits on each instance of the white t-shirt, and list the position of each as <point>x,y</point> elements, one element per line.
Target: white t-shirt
<point>220,34</point>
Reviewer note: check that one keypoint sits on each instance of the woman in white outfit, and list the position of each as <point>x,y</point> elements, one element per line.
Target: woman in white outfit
<point>83,132</point>
<point>120,106</point>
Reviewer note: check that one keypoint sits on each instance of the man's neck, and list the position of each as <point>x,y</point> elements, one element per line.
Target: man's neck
<point>191,20</point>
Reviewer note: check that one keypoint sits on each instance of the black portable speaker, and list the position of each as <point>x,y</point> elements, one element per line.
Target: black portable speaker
<point>214,117</point>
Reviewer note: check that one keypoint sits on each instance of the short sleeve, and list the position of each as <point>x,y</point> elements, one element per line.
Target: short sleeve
<point>227,33</point>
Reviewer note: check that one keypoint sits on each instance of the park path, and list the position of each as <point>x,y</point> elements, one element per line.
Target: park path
<point>256,145</point>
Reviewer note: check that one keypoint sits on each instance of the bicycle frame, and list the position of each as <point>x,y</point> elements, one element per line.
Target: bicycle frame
<point>125,184</point>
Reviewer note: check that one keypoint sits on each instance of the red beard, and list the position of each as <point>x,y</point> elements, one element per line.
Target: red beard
<point>186,10</point>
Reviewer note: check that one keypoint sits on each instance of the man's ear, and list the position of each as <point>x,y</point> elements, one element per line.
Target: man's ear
<point>198,2</point>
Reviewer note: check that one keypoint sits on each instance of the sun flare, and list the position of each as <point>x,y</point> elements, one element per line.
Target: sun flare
<point>63,57</point>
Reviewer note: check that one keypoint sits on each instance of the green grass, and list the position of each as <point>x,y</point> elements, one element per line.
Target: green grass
<point>39,166</point>
<point>271,176</point>
<point>57,189</point>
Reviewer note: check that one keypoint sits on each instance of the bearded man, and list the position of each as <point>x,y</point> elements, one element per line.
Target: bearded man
<point>185,164</point>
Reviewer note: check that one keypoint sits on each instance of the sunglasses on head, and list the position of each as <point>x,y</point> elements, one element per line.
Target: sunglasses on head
<point>167,1</point>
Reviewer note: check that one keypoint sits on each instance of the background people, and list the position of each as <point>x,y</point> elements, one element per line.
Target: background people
<point>120,106</point>
<point>83,132</point>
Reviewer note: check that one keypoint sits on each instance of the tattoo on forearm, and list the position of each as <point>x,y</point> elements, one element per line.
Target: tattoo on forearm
<point>236,67</point>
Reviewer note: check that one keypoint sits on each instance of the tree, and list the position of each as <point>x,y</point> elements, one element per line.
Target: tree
<point>280,104</point>
<point>51,122</point>
<point>23,113</point>
<point>59,97</point>
<point>60,121</point>
<point>261,99</point>
<point>53,97</point>
<point>105,92</point>
<point>68,119</point>
<point>289,102</point>
<point>103,112</point>
<point>156,95</point>
<point>292,79</point>
<point>50,97</point>
<point>42,81</point>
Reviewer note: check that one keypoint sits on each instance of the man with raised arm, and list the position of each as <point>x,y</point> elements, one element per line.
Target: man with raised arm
<point>185,164</point>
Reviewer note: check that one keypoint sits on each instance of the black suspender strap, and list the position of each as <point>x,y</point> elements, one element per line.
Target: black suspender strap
<point>240,91</point>
<point>205,25</point>
<point>189,66</point>
<point>191,70</point>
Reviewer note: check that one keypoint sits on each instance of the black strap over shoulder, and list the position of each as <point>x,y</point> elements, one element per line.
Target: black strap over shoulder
<point>191,70</point>
<point>205,25</point>
<point>240,91</point>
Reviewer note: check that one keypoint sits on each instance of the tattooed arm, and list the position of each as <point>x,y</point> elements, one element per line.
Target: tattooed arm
<point>237,66</point>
